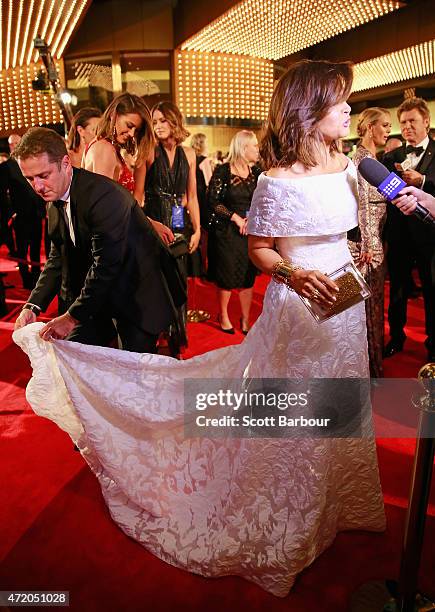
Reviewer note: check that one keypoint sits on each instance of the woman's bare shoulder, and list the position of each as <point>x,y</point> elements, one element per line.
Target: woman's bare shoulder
<point>295,171</point>
<point>101,145</point>
<point>190,153</point>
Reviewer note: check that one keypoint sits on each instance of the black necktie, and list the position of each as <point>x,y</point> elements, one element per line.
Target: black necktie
<point>61,207</point>
<point>411,149</point>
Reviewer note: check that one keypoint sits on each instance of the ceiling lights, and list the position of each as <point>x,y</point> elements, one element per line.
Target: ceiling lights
<point>22,20</point>
<point>403,65</point>
<point>275,28</point>
<point>22,107</point>
<point>220,85</point>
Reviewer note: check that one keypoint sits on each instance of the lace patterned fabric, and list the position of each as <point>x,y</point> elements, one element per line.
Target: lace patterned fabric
<point>372,215</point>
<point>311,206</point>
<point>262,509</point>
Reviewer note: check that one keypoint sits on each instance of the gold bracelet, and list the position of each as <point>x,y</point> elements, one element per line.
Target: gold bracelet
<point>283,271</point>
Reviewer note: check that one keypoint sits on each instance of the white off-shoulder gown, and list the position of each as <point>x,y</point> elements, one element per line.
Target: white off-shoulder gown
<point>262,509</point>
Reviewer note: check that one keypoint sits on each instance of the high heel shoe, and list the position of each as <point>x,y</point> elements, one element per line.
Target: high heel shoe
<point>229,330</point>
<point>244,330</point>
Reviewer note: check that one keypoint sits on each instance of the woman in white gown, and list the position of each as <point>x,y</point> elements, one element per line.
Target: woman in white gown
<point>260,508</point>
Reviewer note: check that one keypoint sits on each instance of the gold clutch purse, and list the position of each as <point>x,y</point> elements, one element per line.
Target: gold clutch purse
<point>353,289</point>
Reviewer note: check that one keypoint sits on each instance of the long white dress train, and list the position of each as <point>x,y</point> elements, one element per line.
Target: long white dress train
<point>259,508</point>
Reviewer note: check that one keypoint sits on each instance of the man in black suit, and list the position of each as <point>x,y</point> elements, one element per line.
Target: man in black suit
<point>409,240</point>
<point>28,211</point>
<point>105,258</point>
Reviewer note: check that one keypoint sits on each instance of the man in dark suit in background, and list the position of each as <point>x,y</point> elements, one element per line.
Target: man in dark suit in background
<point>409,240</point>
<point>28,211</point>
<point>105,258</point>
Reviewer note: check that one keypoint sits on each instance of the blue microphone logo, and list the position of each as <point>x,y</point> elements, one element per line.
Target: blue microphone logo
<point>391,186</point>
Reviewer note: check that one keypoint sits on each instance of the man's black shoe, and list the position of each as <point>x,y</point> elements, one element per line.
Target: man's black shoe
<point>393,347</point>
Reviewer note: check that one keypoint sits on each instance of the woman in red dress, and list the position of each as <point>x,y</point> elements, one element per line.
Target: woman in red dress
<point>125,127</point>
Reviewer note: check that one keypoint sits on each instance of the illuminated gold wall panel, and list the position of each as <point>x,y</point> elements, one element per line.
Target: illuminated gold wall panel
<point>403,65</point>
<point>223,85</point>
<point>22,20</point>
<point>273,29</point>
<point>21,107</point>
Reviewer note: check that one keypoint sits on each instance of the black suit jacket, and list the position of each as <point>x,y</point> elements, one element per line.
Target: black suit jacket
<point>399,226</point>
<point>115,265</point>
<point>16,196</point>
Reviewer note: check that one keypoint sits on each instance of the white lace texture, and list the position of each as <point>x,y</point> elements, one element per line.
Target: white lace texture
<point>259,508</point>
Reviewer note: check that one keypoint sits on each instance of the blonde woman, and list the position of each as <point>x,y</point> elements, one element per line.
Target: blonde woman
<point>374,127</point>
<point>230,193</point>
<point>204,173</point>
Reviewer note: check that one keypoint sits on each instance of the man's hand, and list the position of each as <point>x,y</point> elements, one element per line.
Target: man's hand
<point>163,231</point>
<point>413,178</point>
<point>194,241</point>
<point>25,317</point>
<point>58,328</point>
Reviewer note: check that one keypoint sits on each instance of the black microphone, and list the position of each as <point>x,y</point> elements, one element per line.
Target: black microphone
<point>389,184</point>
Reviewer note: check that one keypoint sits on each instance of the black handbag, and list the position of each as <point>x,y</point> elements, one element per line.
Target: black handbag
<point>179,246</point>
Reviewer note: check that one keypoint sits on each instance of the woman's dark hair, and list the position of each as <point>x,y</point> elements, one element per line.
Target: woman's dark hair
<point>81,118</point>
<point>124,104</point>
<point>173,116</point>
<point>302,97</point>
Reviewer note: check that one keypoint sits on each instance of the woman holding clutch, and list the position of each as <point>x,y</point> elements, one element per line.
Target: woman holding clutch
<point>169,180</point>
<point>225,503</point>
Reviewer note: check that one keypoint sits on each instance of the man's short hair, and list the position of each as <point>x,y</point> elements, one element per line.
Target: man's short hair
<point>38,141</point>
<point>414,103</point>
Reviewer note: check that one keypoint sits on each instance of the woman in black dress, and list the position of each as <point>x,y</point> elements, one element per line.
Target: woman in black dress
<point>230,193</point>
<point>171,198</point>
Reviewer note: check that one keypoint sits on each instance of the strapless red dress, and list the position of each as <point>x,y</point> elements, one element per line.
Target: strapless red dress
<point>125,178</point>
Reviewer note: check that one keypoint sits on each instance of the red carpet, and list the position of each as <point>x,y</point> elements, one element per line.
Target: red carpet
<point>56,533</point>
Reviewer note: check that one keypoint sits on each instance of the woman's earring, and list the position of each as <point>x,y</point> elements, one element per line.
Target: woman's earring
<point>114,135</point>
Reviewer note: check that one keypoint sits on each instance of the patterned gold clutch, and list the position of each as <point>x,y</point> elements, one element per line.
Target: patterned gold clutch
<point>353,289</point>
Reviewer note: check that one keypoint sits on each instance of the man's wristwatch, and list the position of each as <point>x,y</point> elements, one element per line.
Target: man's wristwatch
<point>35,309</point>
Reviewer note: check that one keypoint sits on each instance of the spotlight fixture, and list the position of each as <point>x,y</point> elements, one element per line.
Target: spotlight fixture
<point>62,96</point>
<point>41,83</point>
<point>67,97</point>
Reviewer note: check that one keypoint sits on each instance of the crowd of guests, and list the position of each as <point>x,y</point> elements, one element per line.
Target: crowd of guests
<point>388,241</point>
<point>260,507</point>
<point>199,205</point>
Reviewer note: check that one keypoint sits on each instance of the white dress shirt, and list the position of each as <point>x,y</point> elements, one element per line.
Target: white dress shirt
<point>415,159</point>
